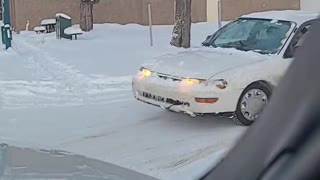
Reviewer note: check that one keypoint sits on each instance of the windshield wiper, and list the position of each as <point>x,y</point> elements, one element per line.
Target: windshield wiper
<point>235,47</point>
<point>261,52</point>
<point>239,45</point>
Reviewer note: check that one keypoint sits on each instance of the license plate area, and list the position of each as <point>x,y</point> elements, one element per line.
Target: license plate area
<point>163,99</point>
<point>154,97</point>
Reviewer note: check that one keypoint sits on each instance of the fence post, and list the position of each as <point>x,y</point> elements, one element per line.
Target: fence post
<point>219,14</point>
<point>27,25</point>
<point>150,23</point>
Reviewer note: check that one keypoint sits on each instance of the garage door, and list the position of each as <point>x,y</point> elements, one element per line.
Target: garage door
<point>310,5</point>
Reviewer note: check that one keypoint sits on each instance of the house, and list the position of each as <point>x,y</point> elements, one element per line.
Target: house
<point>310,5</point>
<point>231,9</point>
<point>136,11</point>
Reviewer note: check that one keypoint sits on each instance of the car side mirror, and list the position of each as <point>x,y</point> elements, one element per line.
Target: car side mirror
<point>206,42</point>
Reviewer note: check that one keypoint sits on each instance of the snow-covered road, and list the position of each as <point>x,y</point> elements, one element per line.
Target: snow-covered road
<point>76,96</point>
<point>128,134</point>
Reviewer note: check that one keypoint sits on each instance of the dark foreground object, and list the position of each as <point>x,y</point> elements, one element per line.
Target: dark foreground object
<point>22,163</point>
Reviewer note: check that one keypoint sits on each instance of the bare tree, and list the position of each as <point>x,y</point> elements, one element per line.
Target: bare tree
<point>182,26</point>
<point>86,14</point>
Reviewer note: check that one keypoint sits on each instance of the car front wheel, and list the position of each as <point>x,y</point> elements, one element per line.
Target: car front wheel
<point>252,102</point>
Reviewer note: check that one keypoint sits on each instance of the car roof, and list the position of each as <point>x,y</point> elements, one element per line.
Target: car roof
<point>296,16</point>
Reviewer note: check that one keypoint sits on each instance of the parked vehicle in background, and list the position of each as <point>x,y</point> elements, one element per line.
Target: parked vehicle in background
<point>237,71</point>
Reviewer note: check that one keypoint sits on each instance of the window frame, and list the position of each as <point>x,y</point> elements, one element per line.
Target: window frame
<point>214,36</point>
<point>288,54</point>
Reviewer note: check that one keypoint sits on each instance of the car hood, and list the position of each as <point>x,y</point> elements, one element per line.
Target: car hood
<point>202,63</point>
<point>25,163</point>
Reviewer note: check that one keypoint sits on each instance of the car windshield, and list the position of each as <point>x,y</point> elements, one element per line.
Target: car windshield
<point>259,35</point>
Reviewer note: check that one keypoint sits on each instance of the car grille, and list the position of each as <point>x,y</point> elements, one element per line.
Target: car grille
<point>164,76</point>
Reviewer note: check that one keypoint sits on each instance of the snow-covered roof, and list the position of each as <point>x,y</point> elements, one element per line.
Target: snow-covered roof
<point>287,15</point>
<point>73,30</point>
<point>63,15</point>
<point>48,21</point>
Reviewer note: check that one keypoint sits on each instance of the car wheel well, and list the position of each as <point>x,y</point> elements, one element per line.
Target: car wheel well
<point>265,86</point>
<point>261,81</point>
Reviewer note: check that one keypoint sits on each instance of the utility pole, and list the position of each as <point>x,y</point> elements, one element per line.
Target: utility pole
<point>6,27</point>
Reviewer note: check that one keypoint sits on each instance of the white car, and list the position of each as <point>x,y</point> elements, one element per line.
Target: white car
<point>235,71</point>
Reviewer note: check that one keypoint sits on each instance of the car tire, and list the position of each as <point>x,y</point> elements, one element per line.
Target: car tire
<point>242,115</point>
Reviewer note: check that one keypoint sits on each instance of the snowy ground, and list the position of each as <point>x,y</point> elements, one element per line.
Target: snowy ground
<point>76,96</point>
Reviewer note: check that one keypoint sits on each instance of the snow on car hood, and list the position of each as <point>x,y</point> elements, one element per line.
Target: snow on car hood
<point>202,63</point>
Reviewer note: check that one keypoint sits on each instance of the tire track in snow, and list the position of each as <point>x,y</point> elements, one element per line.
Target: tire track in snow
<point>62,85</point>
<point>196,155</point>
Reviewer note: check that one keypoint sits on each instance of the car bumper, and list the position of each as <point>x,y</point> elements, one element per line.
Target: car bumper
<point>165,93</point>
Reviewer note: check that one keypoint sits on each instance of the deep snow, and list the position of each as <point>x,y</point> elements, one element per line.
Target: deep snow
<point>76,96</point>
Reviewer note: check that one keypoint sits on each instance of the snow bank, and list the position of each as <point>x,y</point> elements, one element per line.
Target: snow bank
<point>48,21</point>
<point>73,30</point>
<point>63,15</point>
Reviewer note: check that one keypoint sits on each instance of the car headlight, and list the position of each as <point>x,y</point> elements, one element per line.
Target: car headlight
<point>144,72</point>
<point>219,83</point>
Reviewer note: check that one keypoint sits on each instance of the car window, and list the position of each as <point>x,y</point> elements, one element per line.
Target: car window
<point>303,35</point>
<point>297,41</point>
<point>260,35</point>
<point>236,31</point>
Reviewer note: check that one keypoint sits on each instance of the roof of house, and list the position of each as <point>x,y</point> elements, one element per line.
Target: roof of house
<point>297,16</point>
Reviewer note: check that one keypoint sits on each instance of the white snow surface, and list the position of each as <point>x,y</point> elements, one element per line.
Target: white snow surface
<point>48,21</point>
<point>76,96</point>
<point>63,15</point>
<point>73,30</point>
<point>297,16</point>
